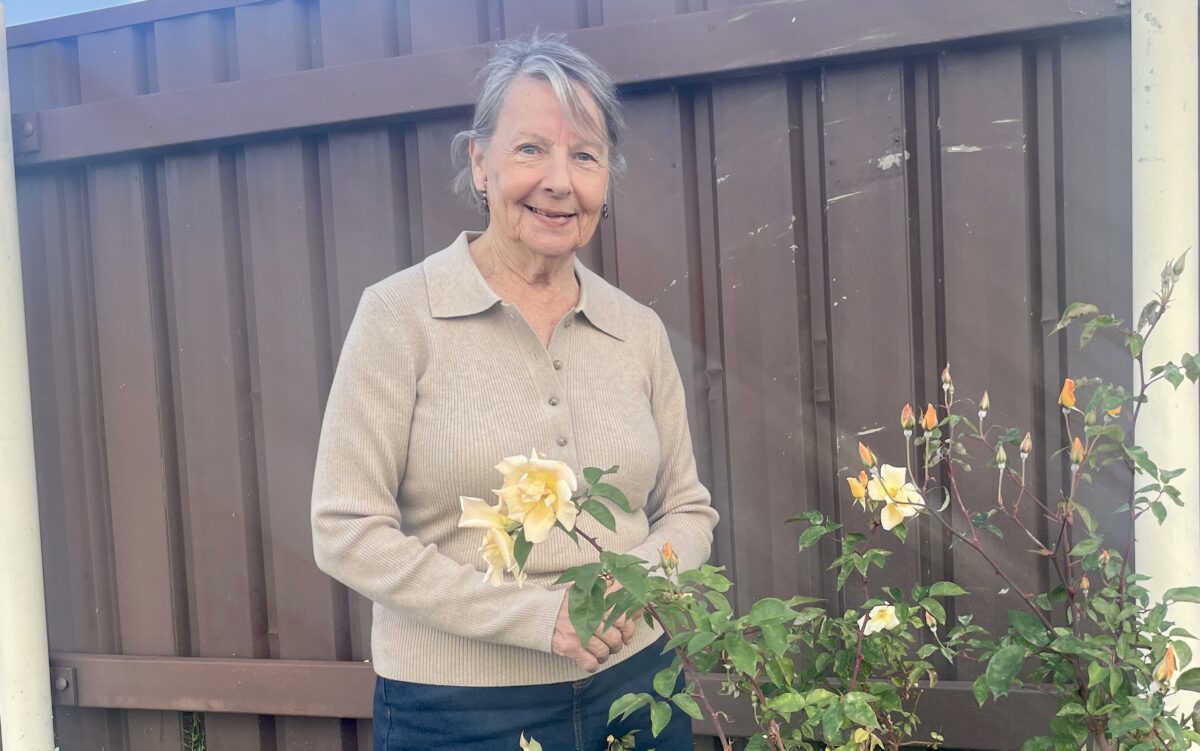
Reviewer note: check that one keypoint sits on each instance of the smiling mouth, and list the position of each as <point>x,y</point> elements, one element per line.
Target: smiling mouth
<point>550,214</point>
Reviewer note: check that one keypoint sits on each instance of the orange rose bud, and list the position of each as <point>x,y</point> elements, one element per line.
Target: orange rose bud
<point>1076,452</point>
<point>906,417</point>
<point>930,621</point>
<point>1066,397</point>
<point>1114,411</point>
<point>929,420</point>
<point>1104,556</point>
<point>1085,584</point>
<point>1166,669</point>
<point>669,559</point>
<point>857,489</point>
<point>864,453</point>
<point>1026,446</point>
<point>984,405</point>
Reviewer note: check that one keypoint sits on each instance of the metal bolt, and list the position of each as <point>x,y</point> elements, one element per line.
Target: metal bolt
<point>27,128</point>
<point>61,683</point>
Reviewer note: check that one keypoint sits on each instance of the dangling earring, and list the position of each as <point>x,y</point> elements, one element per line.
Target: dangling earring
<point>604,211</point>
<point>485,201</point>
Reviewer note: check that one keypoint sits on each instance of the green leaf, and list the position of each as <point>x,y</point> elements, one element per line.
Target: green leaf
<point>1028,627</point>
<point>521,548</point>
<point>1159,510</point>
<point>1068,645</point>
<point>861,713</point>
<point>1002,668</point>
<point>1073,312</point>
<point>586,609</point>
<point>769,608</point>
<point>699,641</point>
<point>688,705</point>
<point>810,536</point>
<point>1038,743</point>
<point>935,609</point>
<point>1188,680</point>
<point>1085,547</point>
<point>592,475</point>
<point>660,715</point>
<point>946,589</point>
<point>1099,322</point>
<point>741,654</point>
<point>980,689</point>
<point>775,637</point>
<point>600,512</point>
<point>604,490</point>
<point>788,703</point>
<point>664,681</point>
<point>633,579</point>
<point>627,705</point>
<point>1182,594</point>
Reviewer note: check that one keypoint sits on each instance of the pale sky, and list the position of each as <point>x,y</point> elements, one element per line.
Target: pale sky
<point>25,11</point>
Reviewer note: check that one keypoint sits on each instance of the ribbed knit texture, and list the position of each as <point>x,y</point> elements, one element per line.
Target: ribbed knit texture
<point>438,380</point>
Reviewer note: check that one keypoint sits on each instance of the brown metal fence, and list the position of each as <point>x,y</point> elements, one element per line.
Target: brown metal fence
<point>826,200</point>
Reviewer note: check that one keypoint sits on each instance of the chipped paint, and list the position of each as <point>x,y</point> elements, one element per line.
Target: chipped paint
<point>844,195</point>
<point>892,160</point>
<point>961,149</point>
<point>870,431</point>
<point>722,179</point>
<point>1006,120</point>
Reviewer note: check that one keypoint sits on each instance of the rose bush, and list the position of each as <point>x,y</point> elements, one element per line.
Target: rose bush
<point>853,680</point>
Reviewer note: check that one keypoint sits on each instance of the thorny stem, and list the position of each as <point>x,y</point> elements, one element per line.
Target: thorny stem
<point>977,546</point>
<point>688,666</point>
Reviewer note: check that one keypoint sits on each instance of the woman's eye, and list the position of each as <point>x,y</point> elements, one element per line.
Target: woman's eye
<point>528,149</point>
<point>586,157</point>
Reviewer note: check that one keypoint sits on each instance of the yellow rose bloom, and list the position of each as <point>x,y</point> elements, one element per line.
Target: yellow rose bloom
<point>901,499</point>
<point>537,493</point>
<point>498,544</point>
<point>881,618</point>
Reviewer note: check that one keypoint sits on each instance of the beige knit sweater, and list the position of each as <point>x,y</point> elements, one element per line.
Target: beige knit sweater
<point>438,380</point>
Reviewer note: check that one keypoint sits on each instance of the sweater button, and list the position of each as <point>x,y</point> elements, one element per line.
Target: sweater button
<point>554,401</point>
<point>562,441</point>
<point>558,364</point>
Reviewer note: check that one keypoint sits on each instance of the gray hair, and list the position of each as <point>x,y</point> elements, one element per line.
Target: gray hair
<point>559,64</point>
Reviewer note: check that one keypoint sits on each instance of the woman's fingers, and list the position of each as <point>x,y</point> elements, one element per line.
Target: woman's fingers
<point>627,627</point>
<point>611,637</point>
<point>598,649</point>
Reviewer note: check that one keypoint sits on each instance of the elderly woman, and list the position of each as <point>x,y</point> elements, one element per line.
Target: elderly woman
<point>501,342</point>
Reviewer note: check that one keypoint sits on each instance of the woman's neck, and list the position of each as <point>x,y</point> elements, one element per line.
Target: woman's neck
<point>518,275</point>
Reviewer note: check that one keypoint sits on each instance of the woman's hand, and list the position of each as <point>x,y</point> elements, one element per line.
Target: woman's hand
<point>600,645</point>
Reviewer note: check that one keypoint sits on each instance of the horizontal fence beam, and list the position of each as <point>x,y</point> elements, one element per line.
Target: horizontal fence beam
<point>688,46</point>
<point>116,17</point>
<point>323,688</point>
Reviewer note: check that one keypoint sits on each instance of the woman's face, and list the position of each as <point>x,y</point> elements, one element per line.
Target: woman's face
<point>545,181</point>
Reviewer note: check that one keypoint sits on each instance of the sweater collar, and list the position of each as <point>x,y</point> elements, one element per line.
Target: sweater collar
<point>456,289</point>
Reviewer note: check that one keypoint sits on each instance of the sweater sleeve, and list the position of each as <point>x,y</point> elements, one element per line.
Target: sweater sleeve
<point>679,508</point>
<point>357,535</point>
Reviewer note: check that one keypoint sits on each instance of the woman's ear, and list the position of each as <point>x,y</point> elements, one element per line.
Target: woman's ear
<point>475,154</point>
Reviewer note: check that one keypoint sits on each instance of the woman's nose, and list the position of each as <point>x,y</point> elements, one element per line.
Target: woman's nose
<point>557,178</point>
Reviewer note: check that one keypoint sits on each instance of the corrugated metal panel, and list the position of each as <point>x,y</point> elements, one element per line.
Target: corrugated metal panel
<point>819,241</point>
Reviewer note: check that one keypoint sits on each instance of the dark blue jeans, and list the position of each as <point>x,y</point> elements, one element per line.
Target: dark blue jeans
<point>570,716</point>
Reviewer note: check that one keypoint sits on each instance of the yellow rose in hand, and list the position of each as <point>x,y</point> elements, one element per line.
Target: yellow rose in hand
<point>537,493</point>
<point>498,544</point>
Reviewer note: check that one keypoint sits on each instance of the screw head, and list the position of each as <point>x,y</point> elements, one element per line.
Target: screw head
<point>27,128</point>
<point>61,683</point>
